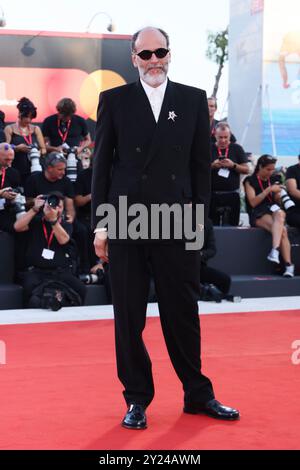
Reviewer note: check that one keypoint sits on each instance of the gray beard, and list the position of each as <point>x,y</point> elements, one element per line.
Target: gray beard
<point>156,80</point>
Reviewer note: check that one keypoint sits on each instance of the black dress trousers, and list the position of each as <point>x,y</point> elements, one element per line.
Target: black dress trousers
<point>176,274</point>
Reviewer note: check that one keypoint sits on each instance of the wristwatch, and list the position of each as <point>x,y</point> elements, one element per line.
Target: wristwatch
<point>234,166</point>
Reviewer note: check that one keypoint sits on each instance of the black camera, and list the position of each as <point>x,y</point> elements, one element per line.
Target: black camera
<point>16,205</point>
<point>52,200</point>
<point>97,278</point>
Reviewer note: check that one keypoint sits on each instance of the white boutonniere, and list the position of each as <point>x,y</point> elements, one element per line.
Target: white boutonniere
<point>172,116</point>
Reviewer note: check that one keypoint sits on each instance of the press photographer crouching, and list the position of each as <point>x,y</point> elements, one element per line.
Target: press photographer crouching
<point>11,199</point>
<point>49,280</point>
<point>264,198</point>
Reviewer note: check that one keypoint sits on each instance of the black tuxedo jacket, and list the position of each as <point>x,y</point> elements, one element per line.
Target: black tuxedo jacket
<point>164,162</point>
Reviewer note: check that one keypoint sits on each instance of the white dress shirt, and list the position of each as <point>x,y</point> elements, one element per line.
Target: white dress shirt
<point>155,96</point>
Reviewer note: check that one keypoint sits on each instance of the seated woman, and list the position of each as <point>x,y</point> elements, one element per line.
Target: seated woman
<point>263,198</point>
<point>22,135</point>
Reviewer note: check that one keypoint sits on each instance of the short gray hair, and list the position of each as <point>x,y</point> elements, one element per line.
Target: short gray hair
<point>223,126</point>
<point>136,35</point>
<point>53,158</point>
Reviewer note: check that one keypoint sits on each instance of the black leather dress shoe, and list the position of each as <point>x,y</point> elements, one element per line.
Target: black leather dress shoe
<point>135,417</point>
<point>213,408</point>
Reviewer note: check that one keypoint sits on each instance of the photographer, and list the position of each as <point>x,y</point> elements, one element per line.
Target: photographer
<point>229,161</point>
<point>9,180</point>
<point>264,194</point>
<point>65,127</point>
<point>52,179</point>
<point>23,134</point>
<point>49,251</point>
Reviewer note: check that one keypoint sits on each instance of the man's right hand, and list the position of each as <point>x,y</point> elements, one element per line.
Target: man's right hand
<point>101,246</point>
<point>39,201</point>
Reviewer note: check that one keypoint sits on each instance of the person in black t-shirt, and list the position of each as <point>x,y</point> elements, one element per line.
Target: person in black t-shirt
<point>229,161</point>
<point>52,179</point>
<point>263,192</point>
<point>9,179</point>
<point>293,188</point>
<point>48,255</point>
<point>65,127</point>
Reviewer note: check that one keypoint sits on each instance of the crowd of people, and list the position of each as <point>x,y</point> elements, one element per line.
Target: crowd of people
<point>63,234</point>
<point>271,203</point>
<point>47,210</point>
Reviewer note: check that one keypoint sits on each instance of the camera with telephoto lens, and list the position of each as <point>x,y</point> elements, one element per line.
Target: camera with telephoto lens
<point>51,199</point>
<point>286,200</point>
<point>16,205</point>
<point>71,155</point>
<point>97,278</point>
<point>34,158</point>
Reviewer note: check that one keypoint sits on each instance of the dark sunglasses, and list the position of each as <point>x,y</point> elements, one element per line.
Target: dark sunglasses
<point>159,53</point>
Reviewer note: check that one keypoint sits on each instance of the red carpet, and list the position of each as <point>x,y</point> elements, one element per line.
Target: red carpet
<point>59,388</point>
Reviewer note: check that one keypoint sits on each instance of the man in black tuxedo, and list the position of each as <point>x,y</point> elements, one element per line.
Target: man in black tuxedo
<point>153,146</point>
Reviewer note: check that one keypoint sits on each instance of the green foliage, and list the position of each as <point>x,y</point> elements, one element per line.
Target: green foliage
<point>217,49</point>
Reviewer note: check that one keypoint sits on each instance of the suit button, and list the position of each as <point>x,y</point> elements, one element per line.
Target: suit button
<point>173,177</point>
<point>138,149</point>
<point>144,177</point>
